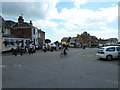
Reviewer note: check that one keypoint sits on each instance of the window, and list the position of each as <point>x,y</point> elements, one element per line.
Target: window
<point>100,50</point>
<point>118,48</point>
<point>110,49</point>
<point>33,31</point>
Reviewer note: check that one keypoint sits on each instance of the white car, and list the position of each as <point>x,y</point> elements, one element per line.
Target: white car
<point>109,52</point>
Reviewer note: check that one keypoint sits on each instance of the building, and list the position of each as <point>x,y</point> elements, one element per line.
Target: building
<point>86,38</point>
<point>10,23</point>
<point>9,40</point>
<point>73,40</point>
<point>93,40</point>
<point>41,37</point>
<point>113,40</point>
<point>27,30</point>
<point>108,41</point>
<point>83,38</point>
<point>24,29</point>
<point>13,32</point>
<point>103,41</point>
<point>4,26</point>
<point>0,34</point>
<point>66,39</point>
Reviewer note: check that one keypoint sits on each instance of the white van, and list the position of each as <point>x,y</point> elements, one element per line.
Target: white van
<point>109,52</point>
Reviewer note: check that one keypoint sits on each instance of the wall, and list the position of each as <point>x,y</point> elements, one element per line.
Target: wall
<point>24,32</point>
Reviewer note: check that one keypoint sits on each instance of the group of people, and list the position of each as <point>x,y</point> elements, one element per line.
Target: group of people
<point>47,47</point>
<point>53,47</point>
<point>30,48</point>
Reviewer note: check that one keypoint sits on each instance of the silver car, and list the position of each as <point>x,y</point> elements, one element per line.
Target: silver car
<point>109,52</point>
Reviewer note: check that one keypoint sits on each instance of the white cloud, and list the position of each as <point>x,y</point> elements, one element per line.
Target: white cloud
<point>30,10</point>
<point>79,20</point>
<point>76,19</point>
<point>45,24</point>
<point>89,16</point>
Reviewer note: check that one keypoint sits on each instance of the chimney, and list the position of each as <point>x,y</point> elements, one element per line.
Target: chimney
<point>20,19</point>
<point>31,22</point>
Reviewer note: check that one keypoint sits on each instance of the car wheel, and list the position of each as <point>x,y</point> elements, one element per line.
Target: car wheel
<point>109,57</point>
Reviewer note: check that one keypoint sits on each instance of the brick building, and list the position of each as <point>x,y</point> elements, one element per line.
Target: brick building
<point>83,38</point>
<point>27,30</point>
<point>86,38</point>
<point>13,32</point>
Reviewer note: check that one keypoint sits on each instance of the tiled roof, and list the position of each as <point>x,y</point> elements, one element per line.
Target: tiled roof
<point>73,38</point>
<point>93,36</point>
<point>66,38</point>
<point>22,25</point>
<point>3,23</point>
<point>10,23</point>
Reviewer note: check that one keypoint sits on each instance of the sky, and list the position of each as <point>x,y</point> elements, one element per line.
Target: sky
<point>66,18</point>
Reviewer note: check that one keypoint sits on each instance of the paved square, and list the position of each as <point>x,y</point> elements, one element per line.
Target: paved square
<point>80,69</point>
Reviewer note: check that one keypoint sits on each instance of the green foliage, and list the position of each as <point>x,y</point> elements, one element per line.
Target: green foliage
<point>47,41</point>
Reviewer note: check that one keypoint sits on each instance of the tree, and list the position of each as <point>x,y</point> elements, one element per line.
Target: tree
<point>47,41</point>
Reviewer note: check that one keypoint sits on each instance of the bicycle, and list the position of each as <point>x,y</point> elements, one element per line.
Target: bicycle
<point>64,52</point>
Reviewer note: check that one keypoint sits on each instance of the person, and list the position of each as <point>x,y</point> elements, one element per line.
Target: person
<point>26,47</point>
<point>60,46</point>
<point>84,46</point>
<point>44,47</point>
<point>37,47</point>
<point>33,48</point>
<point>18,49</point>
<point>64,48</point>
<point>30,48</point>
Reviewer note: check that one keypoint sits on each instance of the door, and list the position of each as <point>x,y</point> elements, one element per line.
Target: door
<point>112,51</point>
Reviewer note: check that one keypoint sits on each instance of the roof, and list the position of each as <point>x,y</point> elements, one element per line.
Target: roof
<point>22,25</point>
<point>112,39</point>
<point>10,23</point>
<point>66,38</point>
<point>3,23</point>
<point>109,46</point>
<point>73,38</point>
<point>93,37</point>
<point>41,31</point>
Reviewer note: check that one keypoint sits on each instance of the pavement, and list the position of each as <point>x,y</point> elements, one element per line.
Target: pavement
<point>80,69</point>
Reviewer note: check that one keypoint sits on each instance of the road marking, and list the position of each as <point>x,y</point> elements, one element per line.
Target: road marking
<point>2,66</point>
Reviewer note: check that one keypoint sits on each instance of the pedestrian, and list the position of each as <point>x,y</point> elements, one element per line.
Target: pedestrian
<point>44,47</point>
<point>60,46</point>
<point>26,47</point>
<point>30,48</point>
<point>18,49</point>
<point>37,47</point>
<point>33,48</point>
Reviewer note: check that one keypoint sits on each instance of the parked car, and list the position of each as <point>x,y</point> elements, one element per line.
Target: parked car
<point>109,52</point>
<point>100,45</point>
